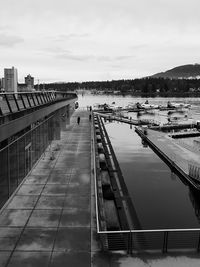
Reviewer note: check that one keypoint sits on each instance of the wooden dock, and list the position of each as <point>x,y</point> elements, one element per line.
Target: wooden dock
<point>177,157</point>
<point>128,120</point>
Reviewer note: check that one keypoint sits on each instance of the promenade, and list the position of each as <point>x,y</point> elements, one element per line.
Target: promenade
<point>47,222</point>
<point>50,219</point>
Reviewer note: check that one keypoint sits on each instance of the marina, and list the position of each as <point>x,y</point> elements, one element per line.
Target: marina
<point>131,164</point>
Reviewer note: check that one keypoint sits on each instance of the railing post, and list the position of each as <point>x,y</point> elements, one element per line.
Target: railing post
<point>27,97</point>
<point>129,243</point>
<point>16,103</point>
<point>40,96</point>
<point>8,104</point>
<point>32,96</point>
<point>165,242</point>
<point>198,246</point>
<point>21,96</point>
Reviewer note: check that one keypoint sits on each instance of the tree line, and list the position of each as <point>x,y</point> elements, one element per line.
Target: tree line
<point>139,87</point>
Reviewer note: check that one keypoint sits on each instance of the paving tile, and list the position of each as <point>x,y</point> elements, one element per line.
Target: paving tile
<point>56,189</point>
<point>95,242</point>
<point>9,237</point>
<point>73,238</point>
<point>4,257</point>
<point>102,260</point>
<point>59,177</point>
<point>33,189</point>
<point>22,202</point>
<point>44,218</point>
<point>77,189</point>
<point>45,163</point>
<point>29,259</point>
<point>14,217</point>
<point>75,217</point>
<point>10,231</point>
<point>77,202</point>
<point>37,239</point>
<point>38,171</point>
<point>70,259</point>
<point>50,202</point>
<point>36,179</point>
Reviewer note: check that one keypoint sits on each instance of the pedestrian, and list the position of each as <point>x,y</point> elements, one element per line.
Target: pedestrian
<point>78,120</point>
<point>90,117</point>
<point>90,108</point>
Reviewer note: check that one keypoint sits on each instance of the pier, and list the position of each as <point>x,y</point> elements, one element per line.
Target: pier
<point>177,157</point>
<point>47,220</point>
<point>130,121</point>
<point>58,205</point>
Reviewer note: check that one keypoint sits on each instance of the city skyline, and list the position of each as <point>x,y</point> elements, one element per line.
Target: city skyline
<point>97,40</point>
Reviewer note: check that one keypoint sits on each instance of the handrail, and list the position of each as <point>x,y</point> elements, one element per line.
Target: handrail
<point>95,181</point>
<point>131,230</point>
<point>151,231</point>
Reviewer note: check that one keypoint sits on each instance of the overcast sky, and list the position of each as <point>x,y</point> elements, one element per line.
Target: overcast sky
<point>78,40</point>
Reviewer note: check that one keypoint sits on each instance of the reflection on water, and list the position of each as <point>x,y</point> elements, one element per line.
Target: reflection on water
<point>160,198</point>
<point>193,113</point>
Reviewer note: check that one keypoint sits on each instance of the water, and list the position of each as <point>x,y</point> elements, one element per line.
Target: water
<point>160,199</point>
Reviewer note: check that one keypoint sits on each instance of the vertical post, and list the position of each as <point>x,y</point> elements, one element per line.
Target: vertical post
<point>44,98</point>
<point>17,163</point>
<point>16,103</point>
<point>40,95</point>
<point>36,96</point>
<point>1,113</point>
<point>48,96</point>
<point>165,242</point>
<point>8,166</point>
<point>8,103</point>
<point>33,99</point>
<point>28,100</point>
<point>198,246</point>
<point>21,96</point>
<point>131,243</point>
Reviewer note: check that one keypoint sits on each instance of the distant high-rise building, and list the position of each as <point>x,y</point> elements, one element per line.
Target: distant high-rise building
<point>29,81</point>
<point>10,80</point>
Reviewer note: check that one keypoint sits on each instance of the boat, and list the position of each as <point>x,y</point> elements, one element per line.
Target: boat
<point>177,105</point>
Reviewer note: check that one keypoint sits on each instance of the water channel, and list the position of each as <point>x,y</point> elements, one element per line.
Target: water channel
<point>160,199</point>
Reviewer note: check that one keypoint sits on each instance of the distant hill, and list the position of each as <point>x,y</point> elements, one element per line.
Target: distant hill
<point>189,71</point>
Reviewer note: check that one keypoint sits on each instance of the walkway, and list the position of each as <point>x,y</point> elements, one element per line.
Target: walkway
<point>47,221</point>
<point>176,150</point>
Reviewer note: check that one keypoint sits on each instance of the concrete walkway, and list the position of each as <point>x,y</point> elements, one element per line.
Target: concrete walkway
<point>47,222</point>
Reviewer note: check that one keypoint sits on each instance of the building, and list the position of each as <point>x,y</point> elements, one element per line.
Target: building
<point>29,81</point>
<point>22,87</point>
<point>10,80</point>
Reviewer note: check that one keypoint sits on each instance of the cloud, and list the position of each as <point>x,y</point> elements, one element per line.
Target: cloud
<point>89,57</point>
<point>74,57</point>
<point>69,36</point>
<point>9,40</point>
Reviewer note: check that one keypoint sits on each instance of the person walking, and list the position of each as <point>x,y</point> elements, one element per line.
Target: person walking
<point>78,120</point>
<point>90,117</point>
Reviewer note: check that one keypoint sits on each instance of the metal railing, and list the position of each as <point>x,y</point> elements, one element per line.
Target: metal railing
<point>16,102</point>
<point>152,240</point>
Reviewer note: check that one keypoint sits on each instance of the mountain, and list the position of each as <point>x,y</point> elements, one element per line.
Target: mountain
<point>185,71</point>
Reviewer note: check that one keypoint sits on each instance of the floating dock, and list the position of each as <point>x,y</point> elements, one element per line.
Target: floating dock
<point>177,157</point>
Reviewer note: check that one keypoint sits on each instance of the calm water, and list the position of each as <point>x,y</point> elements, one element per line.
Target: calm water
<point>160,198</point>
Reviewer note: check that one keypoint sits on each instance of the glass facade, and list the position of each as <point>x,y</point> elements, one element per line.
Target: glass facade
<point>18,157</point>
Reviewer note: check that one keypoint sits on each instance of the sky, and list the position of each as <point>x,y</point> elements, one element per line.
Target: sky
<point>87,40</point>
